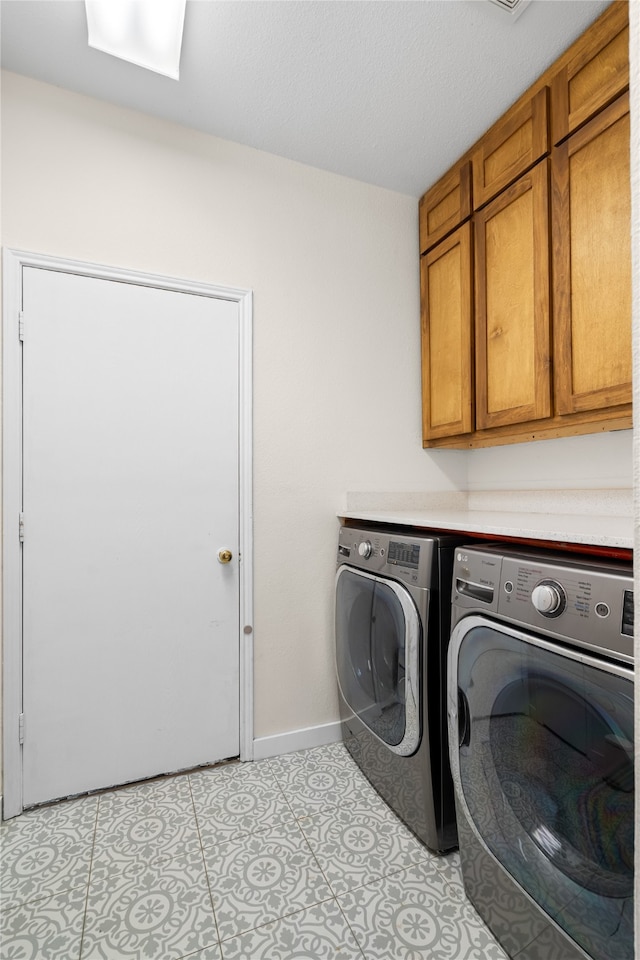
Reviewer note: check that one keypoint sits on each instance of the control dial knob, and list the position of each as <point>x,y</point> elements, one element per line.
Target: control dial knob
<point>549,598</point>
<point>365,549</point>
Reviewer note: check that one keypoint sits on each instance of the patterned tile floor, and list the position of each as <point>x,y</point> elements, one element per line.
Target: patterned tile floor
<point>295,858</point>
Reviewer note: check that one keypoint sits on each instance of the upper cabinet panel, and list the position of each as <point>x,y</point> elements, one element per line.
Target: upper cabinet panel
<point>447,336</point>
<point>512,304</point>
<point>445,206</point>
<point>510,148</point>
<point>592,264</point>
<point>595,75</point>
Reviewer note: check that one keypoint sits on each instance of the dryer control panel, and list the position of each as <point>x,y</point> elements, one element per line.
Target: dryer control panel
<point>405,557</point>
<point>583,602</point>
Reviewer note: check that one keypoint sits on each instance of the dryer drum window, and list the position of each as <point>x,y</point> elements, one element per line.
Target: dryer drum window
<point>377,632</point>
<point>547,773</point>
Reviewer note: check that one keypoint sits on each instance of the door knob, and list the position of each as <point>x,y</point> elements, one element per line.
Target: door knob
<point>224,556</point>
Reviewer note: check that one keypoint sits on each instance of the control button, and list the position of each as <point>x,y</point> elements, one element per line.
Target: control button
<point>602,609</point>
<point>548,598</point>
<point>508,587</point>
<point>365,549</point>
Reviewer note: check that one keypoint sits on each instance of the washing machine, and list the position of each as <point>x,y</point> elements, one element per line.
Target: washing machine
<point>540,704</point>
<point>392,619</point>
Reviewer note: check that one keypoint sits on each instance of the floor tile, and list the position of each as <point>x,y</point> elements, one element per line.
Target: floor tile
<point>214,952</point>
<point>361,843</point>
<point>318,779</point>
<point>47,850</point>
<point>141,911</point>
<point>302,861</point>
<point>333,753</point>
<point>263,877</point>
<point>449,867</point>
<point>48,929</point>
<point>170,788</point>
<point>475,939</point>
<point>410,916</point>
<point>150,822</point>
<point>319,933</point>
<point>235,800</point>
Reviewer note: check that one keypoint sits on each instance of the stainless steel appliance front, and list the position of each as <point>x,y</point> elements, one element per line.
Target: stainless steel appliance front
<point>540,703</point>
<point>392,627</point>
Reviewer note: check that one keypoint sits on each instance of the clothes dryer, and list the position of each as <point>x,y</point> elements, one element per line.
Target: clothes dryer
<point>393,591</point>
<point>540,704</point>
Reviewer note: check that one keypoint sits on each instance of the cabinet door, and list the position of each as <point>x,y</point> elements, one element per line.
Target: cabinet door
<point>445,206</point>
<point>592,264</point>
<point>447,330</point>
<point>512,304</point>
<point>512,145</point>
<point>597,73</point>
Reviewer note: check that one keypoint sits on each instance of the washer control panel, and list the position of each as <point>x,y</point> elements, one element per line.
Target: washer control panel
<point>582,601</point>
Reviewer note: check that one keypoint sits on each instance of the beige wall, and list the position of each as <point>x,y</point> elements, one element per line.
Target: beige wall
<point>333,266</point>
<point>596,461</point>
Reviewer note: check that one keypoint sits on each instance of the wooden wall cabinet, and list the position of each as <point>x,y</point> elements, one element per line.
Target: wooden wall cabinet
<point>513,334</point>
<point>592,264</point>
<point>445,206</point>
<point>595,73</point>
<point>526,308</point>
<point>512,146</point>
<point>447,336</point>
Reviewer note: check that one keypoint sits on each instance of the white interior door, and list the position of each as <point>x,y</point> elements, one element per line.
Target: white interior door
<point>130,489</point>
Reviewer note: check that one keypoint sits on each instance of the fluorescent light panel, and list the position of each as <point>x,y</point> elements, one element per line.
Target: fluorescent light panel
<point>145,32</point>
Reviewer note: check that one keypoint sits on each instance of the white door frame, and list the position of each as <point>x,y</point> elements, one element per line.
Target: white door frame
<point>13,263</point>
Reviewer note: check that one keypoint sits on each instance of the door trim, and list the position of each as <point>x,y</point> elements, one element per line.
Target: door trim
<point>13,263</point>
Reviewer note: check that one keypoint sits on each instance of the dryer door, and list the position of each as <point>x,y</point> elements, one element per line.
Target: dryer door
<point>377,648</point>
<point>542,757</point>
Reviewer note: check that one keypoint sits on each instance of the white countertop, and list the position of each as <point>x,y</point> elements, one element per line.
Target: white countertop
<point>595,530</point>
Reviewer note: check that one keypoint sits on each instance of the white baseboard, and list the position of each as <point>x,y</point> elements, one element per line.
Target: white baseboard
<point>275,746</point>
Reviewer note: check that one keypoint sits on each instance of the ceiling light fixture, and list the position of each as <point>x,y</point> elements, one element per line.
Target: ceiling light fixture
<point>145,32</point>
<point>514,7</point>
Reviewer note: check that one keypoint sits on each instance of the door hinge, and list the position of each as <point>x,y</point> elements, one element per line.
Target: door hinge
<point>21,325</point>
<point>21,728</point>
<point>21,528</point>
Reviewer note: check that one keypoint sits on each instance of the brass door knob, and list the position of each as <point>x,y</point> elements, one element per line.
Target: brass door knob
<point>224,556</point>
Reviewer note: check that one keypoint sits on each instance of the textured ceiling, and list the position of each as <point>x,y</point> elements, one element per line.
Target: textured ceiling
<point>389,92</point>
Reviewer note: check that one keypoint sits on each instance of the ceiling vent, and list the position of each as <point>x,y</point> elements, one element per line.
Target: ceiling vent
<point>512,7</point>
